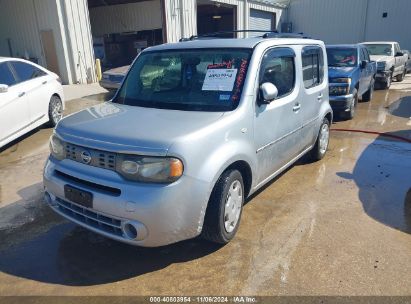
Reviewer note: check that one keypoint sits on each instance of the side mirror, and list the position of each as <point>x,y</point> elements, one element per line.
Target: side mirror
<point>363,64</point>
<point>268,92</point>
<point>399,54</point>
<point>4,88</point>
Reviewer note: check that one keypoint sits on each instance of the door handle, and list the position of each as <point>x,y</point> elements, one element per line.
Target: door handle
<point>320,96</point>
<point>22,94</point>
<point>296,107</point>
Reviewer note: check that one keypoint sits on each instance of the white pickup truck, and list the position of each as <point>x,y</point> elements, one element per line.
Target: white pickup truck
<point>391,61</point>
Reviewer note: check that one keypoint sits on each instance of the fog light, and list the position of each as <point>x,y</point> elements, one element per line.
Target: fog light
<point>130,231</point>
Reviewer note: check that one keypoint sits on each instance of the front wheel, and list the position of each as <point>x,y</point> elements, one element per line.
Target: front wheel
<point>368,95</point>
<point>387,83</point>
<point>224,208</point>
<point>55,110</point>
<point>353,105</point>
<point>321,145</point>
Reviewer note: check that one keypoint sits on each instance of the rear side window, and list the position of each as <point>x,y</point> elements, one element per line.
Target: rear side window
<point>366,55</point>
<point>313,66</point>
<point>6,76</point>
<point>362,55</point>
<point>26,71</point>
<point>278,68</point>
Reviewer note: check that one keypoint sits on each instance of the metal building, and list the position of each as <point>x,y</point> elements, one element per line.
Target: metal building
<point>352,21</point>
<point>66,36</point>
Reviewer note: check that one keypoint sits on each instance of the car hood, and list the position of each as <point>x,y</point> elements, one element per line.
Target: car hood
<point>135,130</point>
<point>380,58</point>
<point>118,71</point>
<point>338,72</point>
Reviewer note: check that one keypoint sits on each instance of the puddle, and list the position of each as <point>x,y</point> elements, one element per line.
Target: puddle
<point>401,107</point>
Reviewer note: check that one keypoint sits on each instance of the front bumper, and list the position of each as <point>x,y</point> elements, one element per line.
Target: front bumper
<point>341,103</point>
<point>382,76</point>
<point>161,213</point>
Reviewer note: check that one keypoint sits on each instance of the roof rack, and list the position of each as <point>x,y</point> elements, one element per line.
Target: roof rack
<point>217,35</point>
<point>264,34</point>
<point>286,35</point>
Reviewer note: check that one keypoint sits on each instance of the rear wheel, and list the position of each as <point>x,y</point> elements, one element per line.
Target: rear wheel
<point>224,208</point>
<point>55,110</point>
<point>321,145</point>
<point>401,76</point>
<point>368,95</point>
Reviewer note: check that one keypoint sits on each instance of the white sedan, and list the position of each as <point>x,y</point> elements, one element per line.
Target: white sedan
<point>30,96</point>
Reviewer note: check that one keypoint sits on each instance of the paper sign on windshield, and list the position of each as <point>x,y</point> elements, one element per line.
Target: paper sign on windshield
<point>219,80</point>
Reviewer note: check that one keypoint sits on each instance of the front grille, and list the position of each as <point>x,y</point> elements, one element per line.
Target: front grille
<point>101,159</point>
<point>90,217</point>
<point>93,186</point>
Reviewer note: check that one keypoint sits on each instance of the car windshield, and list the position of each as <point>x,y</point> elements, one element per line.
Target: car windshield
<point>342,57</point>
<point>379,49</point>
<point>190,80</point>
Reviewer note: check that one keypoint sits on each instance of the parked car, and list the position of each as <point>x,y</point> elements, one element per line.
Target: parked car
<point>391,62</point>
<point>351,76</point>
<point>30,96</point>
<point>408,65</point>
<point>195,129</point>
<point>112,79</point>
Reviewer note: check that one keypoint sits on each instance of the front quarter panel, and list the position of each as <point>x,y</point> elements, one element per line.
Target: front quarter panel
<point>207,153</point>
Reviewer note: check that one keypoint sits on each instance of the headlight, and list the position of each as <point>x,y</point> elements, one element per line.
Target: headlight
<point>149,169</point>
<point>339,90</point>
<point>381,65</point>
<point>57,147</point>
<point>341,80</point>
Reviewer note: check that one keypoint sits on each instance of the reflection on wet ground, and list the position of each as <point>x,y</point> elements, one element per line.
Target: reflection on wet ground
<point>341,226</point>
<point>70,255</point>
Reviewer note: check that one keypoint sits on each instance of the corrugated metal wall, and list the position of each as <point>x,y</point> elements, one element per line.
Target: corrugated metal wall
<point>352,21</point>
<point>397,25</point>
<point>125,18</point>
<point>186,10</point>
<point>333,21</point>
<point>78,40</point>
<point>23,21</point>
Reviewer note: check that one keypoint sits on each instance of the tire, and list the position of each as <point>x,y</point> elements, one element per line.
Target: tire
<point>223,215</point>
<point>321,145</point>
<point>55,110</point>
<point>387,83</point>
<point>401,76</point>
<point>351,113</point>
<point>368,95</point>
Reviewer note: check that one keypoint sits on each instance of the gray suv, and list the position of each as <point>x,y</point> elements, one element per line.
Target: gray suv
<point>195,129</point>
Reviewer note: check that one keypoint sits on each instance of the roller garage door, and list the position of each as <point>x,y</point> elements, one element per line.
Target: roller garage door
<point>260,20</point>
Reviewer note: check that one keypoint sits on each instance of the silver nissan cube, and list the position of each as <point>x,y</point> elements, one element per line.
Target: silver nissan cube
<point>195,129</point>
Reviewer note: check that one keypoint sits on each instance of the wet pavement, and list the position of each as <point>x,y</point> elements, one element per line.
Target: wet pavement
<point>341,226</point>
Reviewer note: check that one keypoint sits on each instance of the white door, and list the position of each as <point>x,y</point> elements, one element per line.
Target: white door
<point>277,125</point>
<point>261,20</point>
<point>36,88</point>
<point>14,113</point>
